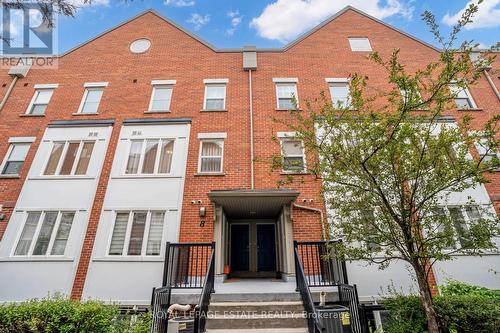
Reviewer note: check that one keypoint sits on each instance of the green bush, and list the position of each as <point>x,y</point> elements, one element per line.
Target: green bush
<point>461,307</point>
<point>65,316</point>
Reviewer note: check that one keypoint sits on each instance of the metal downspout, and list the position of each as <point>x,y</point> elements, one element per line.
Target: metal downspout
<point>490,81</point>
<point>9,91</point>
<point>321,217</point>
<point>252,173</point>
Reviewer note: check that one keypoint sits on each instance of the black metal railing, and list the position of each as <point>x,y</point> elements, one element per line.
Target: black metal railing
<point>186,264</point>
<point>200,312</point>
<point>160,301</point>
<point>322,266</point>
<point>348,297</point>
<point>313,323</point>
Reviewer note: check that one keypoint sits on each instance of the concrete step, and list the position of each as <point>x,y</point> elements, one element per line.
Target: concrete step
<point>267,321</point>
<point>261,330</point>
<point>255,297</point>
<point>256,307</point>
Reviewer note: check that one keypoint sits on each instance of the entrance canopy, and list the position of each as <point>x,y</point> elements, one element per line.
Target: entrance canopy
<point>252,204</point>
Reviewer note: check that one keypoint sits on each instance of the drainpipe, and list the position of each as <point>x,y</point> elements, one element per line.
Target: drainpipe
<point>250,64</point>
<point>15,72</point>
<point>321,217</point>
<point>492,84</point>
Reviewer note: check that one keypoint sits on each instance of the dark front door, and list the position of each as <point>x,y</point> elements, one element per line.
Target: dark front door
<point>266,248</point>
<point>240,247</point>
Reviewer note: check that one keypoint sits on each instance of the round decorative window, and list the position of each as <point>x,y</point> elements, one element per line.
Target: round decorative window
<point>140,45</point>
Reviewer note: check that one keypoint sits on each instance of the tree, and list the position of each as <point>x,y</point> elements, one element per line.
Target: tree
<point>390,160</point>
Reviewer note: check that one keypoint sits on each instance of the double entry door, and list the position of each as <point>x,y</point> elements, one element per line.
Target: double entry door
<point>253,249</point>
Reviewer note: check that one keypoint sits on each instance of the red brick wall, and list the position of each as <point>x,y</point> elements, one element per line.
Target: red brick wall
<point>175,55</point>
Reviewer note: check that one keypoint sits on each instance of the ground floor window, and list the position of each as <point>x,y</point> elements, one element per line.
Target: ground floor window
<point>137,233</point>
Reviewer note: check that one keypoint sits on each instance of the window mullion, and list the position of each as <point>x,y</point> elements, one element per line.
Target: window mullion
<point>145,236</point>
<point>77,158</point>
<point>128,233</point>
<point>141,158</point>
<point>62,158</point>
<point>157,157</point>
<point>36,233</point>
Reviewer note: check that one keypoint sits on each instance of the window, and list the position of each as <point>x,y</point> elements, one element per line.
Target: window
<point>160,98</point>
<point>293,155</point>
<point>137,233</point>
<point>339,91</point>
<point>69,158</point>
<point>485,152</point>
<point>410,96</point>
<point>15,158</point>
<point>462,97</point>
<point>211,156</point>
<point>461,217</point>
<point>215,97</point>
<point>360,44</point>
<point>150,156</point>
<point>45,233</point>
<point>40,101</point>
<point>91,100</point>
<point>285,95</point>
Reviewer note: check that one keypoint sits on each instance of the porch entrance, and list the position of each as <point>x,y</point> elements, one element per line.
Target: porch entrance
<point>253,249</point>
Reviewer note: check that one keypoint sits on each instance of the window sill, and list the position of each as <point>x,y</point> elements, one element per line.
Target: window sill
<point>470,109</point>
<point>84,114</point>
<point>129,259</point>
<point>144,176</point>
<point>215,110</point>
<point>279,109</point>
<point>10,176</point>
<point>66,177</point>
<point>31,115</point>
<point>294,173</point>
<point>153,112</point>
<point>36,259</point>
<point>210,174</point>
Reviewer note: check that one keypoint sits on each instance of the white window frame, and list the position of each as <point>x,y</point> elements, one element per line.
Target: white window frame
<point>141,158</point>
<point>369,49</point>
<point>39,87</point>
<point>211,137</point>
<point>145,236</point>
<point>215,83</point>
<point>12,142</point>
<point>53,235</point>
<point>63,156</point>
<point>332,81</point>
<point>467,92</point>
<point>91,86</point>
<point>161,84</point>
<point>286,82</point>
<point>291,136</point>
<point>480,148</point>
<point>467,220</point>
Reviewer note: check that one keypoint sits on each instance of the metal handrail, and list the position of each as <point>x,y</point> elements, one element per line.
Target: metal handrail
<point>313,323</point>
<point>201,309</point>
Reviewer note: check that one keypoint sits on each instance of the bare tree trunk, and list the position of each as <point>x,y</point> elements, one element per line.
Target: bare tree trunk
<point>426,299</point>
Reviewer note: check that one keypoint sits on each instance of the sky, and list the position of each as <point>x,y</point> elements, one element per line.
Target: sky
<point>273,23</point>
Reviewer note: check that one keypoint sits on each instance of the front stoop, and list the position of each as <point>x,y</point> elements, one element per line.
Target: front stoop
<point>259,315</point>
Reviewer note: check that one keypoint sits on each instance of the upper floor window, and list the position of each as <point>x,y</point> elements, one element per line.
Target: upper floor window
<point>463,98</point>
<point>339,92</point>
<point>137,233</point>
<point>41,99</point>
<point>484,150</point>
<point>360,44</point>
<point>161,95</point>
<point>69,158</point>
<point>410,96</point>
<point>292,151</point>
<point>461,217</point>
<point>286,93</point>
<point>16,154</point>
<point>45,233</point>
<point>211,159</point>
<point>215,95</point>
<point>150,156</point>
<point>92,97</point>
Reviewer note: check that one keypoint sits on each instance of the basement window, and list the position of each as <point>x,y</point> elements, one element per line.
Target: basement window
<point>360,44</point>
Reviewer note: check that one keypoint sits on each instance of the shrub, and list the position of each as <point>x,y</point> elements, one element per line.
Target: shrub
<point>64,315</point>
<point>461,308</point>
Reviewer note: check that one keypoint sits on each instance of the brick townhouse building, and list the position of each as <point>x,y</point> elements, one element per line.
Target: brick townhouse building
<point>146,134</point>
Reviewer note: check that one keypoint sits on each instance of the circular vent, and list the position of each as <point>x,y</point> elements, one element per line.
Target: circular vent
<point>140,45</point>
